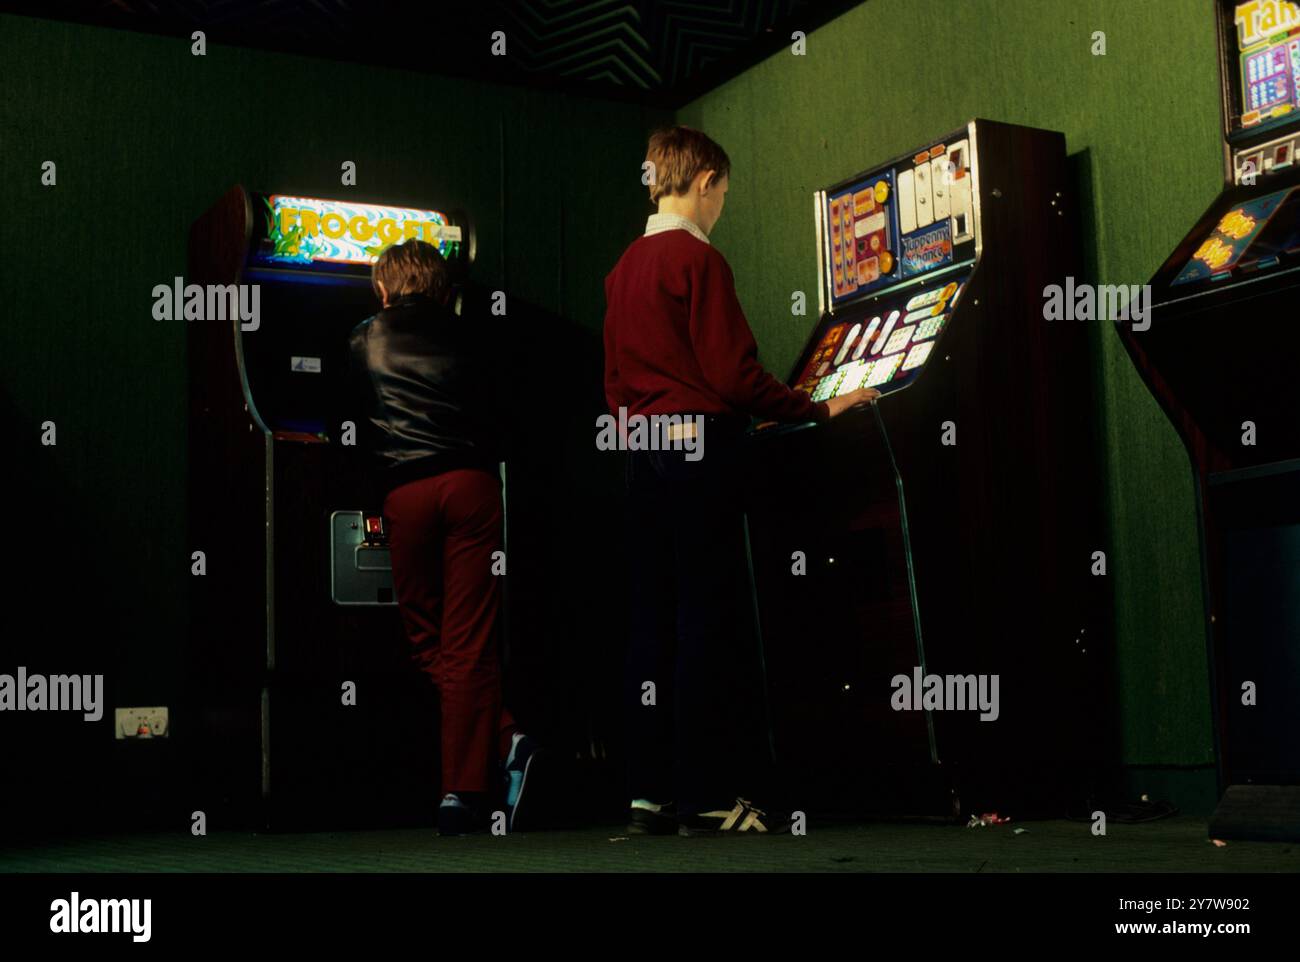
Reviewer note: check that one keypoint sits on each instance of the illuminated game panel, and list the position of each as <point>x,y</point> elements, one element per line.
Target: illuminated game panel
<point>846,239</point>
<point>928,329</point>
<point>917,355</point>
<point>877,347</point>
<point>309,230</point>
<point>922,301</point>
<point>883,370</point>
<point>827,385</point>
<point>822,356</point>
<point>861,228</point>
<point>1230,238</point>
<point>884,335</point>
<point>898,340</point>
<point>848,341</point>
<point>1269,77</point>
<point>866,338</point>
<point>854,375</point>
<point>931,298</point>
<point>1268,36</point>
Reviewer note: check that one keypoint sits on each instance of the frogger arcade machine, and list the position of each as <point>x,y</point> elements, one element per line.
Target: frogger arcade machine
<point>946,530</point>
<point>307,710</point>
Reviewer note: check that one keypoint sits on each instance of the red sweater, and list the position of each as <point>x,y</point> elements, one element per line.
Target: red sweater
<point>677,342</point>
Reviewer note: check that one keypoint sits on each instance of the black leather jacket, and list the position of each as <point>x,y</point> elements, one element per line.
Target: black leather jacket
<point>423,393</point>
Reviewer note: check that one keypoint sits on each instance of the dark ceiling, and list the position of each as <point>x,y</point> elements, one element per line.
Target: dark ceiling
<point>658,51</point>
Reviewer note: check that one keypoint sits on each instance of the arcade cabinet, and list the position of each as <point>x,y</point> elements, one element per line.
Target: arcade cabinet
<point>948,529</point>
<point>1220,356</point>
<point>308,712</point>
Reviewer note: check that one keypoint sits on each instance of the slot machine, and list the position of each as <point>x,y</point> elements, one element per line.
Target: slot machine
<point>946,531</point>
<point>307,711</point>
<point>1220,355</point>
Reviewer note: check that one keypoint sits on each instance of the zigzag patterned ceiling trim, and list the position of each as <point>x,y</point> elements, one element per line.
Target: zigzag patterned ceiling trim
<point>580,37</point>
<point>656,50</point>
<point>654,43</point>
<point>721,26</point>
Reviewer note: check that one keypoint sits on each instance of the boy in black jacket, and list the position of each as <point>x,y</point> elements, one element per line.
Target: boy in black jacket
<point>422,375</point>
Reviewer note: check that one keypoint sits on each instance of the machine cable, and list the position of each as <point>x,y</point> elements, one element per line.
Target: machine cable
<point>911,573</point>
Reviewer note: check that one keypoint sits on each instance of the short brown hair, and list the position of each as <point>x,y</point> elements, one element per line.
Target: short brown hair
<point>414,267</point>
<point>679,154</point>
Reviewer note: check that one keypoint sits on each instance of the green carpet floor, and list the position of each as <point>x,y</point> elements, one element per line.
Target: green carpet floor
<point>1172,845</point>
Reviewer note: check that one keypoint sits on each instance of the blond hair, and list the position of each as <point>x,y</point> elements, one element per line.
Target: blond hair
<point>679,154</point>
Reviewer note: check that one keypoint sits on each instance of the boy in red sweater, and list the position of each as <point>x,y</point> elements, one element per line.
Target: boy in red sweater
<point>677,343</point>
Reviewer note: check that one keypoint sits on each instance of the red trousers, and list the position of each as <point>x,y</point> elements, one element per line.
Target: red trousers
<point>443,531</point>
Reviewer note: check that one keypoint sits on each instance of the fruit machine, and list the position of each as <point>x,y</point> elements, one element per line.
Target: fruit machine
<point>307,712</point>
<point>944,534</point>
<point>1231,398</point>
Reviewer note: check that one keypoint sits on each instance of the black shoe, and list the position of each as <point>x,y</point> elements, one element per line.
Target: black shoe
<point>648,819</point>
<point>742,819</point>
<point>455,817</point>
<point>519,771</point>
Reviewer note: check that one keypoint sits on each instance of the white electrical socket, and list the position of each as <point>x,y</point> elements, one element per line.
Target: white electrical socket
<point>131,721</point>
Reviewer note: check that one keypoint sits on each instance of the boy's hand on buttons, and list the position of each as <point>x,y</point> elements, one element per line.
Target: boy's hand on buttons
<point>863,395</point>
